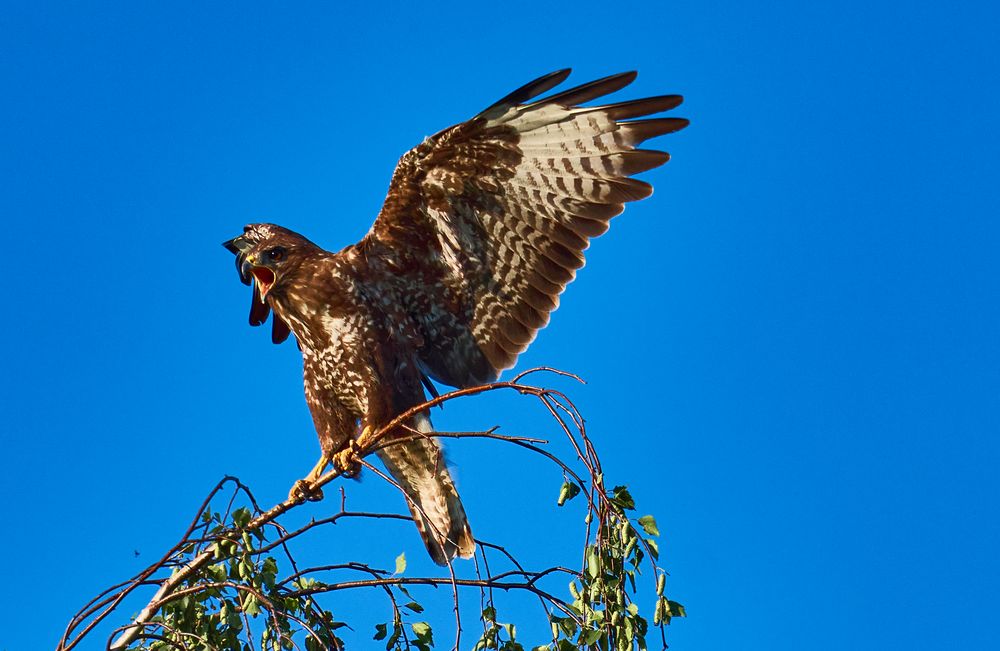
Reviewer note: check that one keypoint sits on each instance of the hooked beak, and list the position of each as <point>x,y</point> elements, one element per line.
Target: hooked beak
<point>239,247</point>
<point>248,268</point>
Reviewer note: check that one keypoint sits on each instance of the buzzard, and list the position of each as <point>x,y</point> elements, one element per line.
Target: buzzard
<point>484,225</point>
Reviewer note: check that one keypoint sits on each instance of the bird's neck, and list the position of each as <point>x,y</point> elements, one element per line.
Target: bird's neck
<point>314,301</point>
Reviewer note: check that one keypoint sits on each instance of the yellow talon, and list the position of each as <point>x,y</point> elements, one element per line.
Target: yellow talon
<point>346,461</point>
<point>303,489</point>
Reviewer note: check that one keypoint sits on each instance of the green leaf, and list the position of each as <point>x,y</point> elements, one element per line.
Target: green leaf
<point>217,572</point>
<point>622,498</point>
<point>568,625</point>
<point>568,491</point>
<point>676,609</point>
<point>425,638</point>
<point>654,549</point>
<point>241,517</point>
<point>381,631</point>
<point>648,524</point>
<point>401,563</point>
<point>414,606</point>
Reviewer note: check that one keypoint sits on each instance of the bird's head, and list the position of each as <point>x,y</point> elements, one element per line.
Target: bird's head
<point>266,257</point>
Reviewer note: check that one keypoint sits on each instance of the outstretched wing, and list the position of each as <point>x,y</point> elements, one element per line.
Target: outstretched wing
<point>486,222</point>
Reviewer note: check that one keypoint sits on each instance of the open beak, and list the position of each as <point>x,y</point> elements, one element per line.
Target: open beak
<point>263,277</point>
<point>247,267</point>
<point>262,280</point>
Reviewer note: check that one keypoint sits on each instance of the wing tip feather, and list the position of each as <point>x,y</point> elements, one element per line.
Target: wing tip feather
<point>526,92</point>
<point>639,131</point>
<point>590,90</point>
<point>638,107</point>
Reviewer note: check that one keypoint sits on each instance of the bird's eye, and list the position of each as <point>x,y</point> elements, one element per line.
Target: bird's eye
<point>276,254</point>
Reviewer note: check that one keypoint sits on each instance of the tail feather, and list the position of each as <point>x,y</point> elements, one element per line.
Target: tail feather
<point>419,468</point>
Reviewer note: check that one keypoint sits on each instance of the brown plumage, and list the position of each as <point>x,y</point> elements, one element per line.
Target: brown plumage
<point>484,225</point>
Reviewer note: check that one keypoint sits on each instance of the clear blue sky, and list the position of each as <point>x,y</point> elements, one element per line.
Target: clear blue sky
<point>791,347</point>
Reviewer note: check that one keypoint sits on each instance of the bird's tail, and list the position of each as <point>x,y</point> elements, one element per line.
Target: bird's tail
<point>419,468</point>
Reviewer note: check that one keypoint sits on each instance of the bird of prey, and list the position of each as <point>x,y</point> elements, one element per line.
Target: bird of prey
<point>484,225</point>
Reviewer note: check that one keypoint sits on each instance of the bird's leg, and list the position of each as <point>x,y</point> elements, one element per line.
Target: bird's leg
<point>302,489</point>
<point>366,432</point>
<point>318,469</point>
<point>346,461</point>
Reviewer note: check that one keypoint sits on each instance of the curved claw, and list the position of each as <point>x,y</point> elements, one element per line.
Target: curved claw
<point>303,491</point>
<point>346,461</point>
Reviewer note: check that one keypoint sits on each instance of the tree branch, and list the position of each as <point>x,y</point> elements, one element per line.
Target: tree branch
<point>202,546</point>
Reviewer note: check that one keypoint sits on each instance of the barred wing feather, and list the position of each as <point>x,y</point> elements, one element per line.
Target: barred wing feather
<point>487,221</point>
